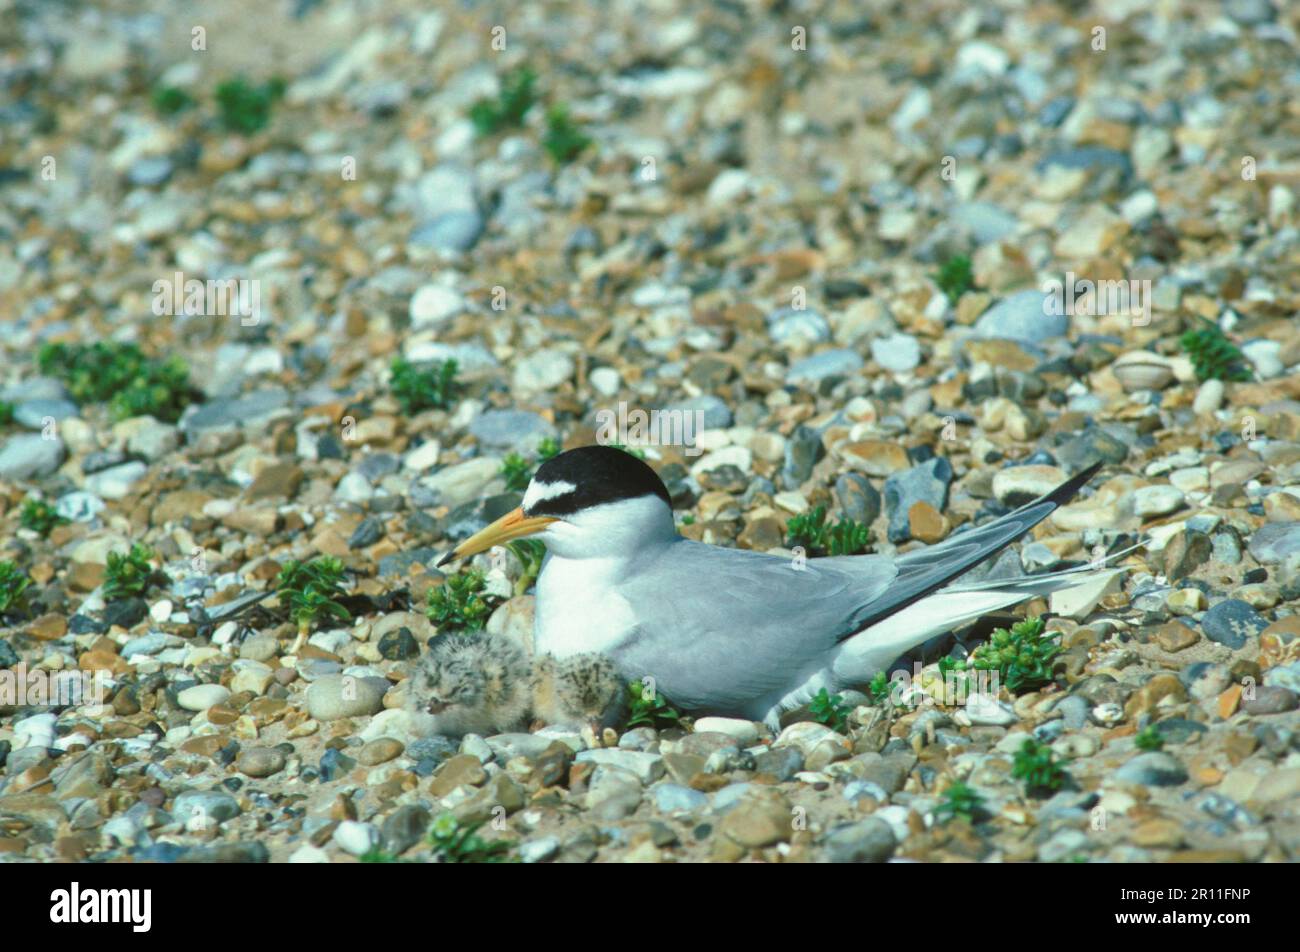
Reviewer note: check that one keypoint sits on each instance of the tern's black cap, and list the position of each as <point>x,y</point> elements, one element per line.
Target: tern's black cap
<point>598,475</point>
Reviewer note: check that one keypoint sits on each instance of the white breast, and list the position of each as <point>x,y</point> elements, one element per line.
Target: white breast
<point>578,607</point>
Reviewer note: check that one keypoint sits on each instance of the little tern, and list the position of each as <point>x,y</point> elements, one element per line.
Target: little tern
<point>732,631</point>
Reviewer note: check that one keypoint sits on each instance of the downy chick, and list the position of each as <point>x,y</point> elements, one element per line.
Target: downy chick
<point>470,686</point>
<point>581,691</point>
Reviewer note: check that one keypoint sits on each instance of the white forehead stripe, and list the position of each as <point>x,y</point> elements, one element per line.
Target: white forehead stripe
<point>540,492</point>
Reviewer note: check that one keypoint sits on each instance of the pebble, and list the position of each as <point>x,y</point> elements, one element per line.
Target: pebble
<point>673,798</point>
<point>1023,316</point>
<point>1232,623</point>
<point>790,325</point>
<point>1152,501</point>
<point>1185,601</point>
<point>927,483</point>
<point>260,761</point>
<point>198,809</point>
<point>899,353</point>
<point>539,850</point>
<point>202,696</point>
<point>745,733</point>
<point>829,363</point>
<point>647,768</point>
<point>355,838</point>
<point>30,456</point>
<point>1018,485</point>
<point>866,841</point>
<point>335,696</point>
<point>1266,699</point>
<point>434,304</point>
<point>1153,769</point>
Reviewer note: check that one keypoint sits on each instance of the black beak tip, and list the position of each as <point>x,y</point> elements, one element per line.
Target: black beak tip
<point>450,556</point>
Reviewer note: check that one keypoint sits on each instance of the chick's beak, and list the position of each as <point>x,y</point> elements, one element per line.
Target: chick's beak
<point>513,525</point>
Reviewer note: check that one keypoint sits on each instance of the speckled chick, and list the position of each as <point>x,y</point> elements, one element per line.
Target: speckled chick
<point>585,690</point>
<point>470,686</point>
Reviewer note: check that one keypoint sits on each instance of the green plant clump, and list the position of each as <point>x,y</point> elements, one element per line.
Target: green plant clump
<point>246,108</point>
<point>454,843</point>
<point>563,140</point>
<point>128,576</point>
<point>959,802</point>
<point>530,552</point>
<point>13,582</point>
<point>955,277</point>
<point>879,688</point>
<point>313,590</point>
<point>169,100</point>
<point>516,97</point>
<point>518,472</point>
<point>459,604</point>
<point>121,374</point>
<point>649,708</point>
<point>830,709</point>
<point>39,516</point>
<point>548,449</point>
<point>6,413</point>
<point>1036,765</point>
<point>1021,657</point>
<point>810,531</point>
<point>1213,356</point>
<point>1149,739</point>
<point>423,388</point>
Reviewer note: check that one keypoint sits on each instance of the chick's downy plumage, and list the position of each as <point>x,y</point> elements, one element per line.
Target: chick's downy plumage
<point>470,686</point>
<point>581,690</point>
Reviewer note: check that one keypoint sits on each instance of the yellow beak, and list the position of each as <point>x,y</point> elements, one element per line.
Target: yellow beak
<point>513,525</point>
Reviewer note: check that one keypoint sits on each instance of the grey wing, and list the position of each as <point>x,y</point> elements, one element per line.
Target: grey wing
<point>723,628</point>
<point>929,569</point>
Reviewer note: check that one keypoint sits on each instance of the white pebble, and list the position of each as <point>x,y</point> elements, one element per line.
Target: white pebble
<point>161,611</point>
<point>202,696</point>
<point>744,732</point>
<point>355,838</point>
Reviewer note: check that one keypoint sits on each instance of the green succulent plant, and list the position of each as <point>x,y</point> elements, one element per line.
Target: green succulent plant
<point>879,688</point>
<point>564,140</point>
<point>1213,355</point>
<point>811,532</point>
<point>649,708</point>
<point>313,591</point>
<point>1149,739</point>
<point>245,107</point>
<point>121,375</point>
<point>959,802</point>
<point>955,277</point>
<point>129,575</point>
<point>831,710</point>
<point>13,583</point>
<point>1021,656</point>
<point>169,100</point>
<point>530,552</point>
<point>417,388</point>
<point>1036,765</point>
<point>507,111</point>
<point>460,603</point>
<point>517,472</point>
<point>40,517</point>
<point>454,842</point>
